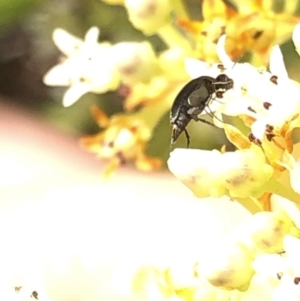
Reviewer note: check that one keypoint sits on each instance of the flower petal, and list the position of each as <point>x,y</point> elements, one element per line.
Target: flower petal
<point>223,56</point>
<point>277,65</point>
<point>92,35</point>
<point>295,178</point>
<point>74,93</point>
<point>66,43</point>
<point>57,76</point>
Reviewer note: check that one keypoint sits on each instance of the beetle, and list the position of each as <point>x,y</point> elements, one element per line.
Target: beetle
<point>193,98</point>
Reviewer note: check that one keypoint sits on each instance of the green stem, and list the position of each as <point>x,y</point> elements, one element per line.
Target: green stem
<point>173,38</point>
<point>152,114</point>
<point>252,205</point>
<point>284,191</point>
<point>180,9</point>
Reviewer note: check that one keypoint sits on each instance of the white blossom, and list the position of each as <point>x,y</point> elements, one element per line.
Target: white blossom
<point>87,67</point>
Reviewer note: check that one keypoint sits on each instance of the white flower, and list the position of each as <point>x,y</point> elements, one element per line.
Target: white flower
<point>263,91</point>
<point>87,67</point>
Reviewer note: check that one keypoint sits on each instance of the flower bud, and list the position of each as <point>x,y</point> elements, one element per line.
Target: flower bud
<point>246,172</point>
<point>199,170</point>
<point>242,173</point>
<point>135,62</point>
<point>149,15</point>
<point>229,267</point>
<point>265,231</point>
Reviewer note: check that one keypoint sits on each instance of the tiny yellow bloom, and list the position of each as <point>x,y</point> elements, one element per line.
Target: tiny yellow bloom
<point>250,26</point>
<point>123,139</point>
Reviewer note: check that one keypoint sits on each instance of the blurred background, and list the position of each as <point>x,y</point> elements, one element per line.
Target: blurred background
<point>27,52</point>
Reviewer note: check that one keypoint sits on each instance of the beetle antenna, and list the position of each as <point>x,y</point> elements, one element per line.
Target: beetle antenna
<point>237,61</point>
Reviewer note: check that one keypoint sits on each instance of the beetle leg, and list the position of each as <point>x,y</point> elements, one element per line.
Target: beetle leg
<point>188,140</point>
<point>205,121</point>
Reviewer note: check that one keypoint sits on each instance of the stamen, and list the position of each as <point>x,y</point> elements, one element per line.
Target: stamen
<point>274,79</point>
<point>270,136</point>
<point>267,105</point>
<point>269,128</point>
<point>34,294</point>
<point>221,67</point>
<point>255,140</point>
<point>251,110</point>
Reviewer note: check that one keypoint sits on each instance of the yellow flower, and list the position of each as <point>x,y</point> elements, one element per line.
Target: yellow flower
<point>250,26</point>
<point>124,139</point>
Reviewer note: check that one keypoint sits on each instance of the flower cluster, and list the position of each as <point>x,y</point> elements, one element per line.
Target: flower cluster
<point>257,261</point>
<point>150,80</point>
<point>269,104</point>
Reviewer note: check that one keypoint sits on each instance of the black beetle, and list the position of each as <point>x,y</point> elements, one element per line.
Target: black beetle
<point>192,100</point>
